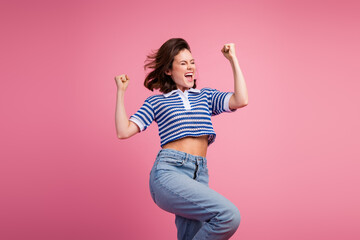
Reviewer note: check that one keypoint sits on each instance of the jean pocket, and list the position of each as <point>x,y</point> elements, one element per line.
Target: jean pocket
<point>169,163</point>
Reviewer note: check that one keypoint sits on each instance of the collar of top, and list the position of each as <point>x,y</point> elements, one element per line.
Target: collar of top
<point>178,90</point>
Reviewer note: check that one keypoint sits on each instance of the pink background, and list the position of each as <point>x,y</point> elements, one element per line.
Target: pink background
<point>289,160</point>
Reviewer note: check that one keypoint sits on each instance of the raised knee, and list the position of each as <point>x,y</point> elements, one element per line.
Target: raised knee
<point>231,219</point>
<point>234,219</point>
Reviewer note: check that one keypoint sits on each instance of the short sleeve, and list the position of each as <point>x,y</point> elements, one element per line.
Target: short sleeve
<point>144,116</point>
<point>220,102</point>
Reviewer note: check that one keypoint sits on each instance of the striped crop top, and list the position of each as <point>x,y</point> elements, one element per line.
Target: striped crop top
<point>180,114</point>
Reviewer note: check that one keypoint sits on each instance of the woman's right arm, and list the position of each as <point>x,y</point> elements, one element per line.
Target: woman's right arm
<point>124,127</point>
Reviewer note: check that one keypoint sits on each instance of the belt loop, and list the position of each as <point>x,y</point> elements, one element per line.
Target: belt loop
<point>202,161</point>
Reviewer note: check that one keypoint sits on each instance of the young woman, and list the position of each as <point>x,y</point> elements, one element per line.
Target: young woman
<point>179,181</point>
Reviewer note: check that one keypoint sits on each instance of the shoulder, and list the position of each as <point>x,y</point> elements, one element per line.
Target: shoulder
<point>153,97</point>
<point>208,90</point>
<point>154,100</point>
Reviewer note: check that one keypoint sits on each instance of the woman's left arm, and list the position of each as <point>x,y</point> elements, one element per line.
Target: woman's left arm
<point>240,97</point>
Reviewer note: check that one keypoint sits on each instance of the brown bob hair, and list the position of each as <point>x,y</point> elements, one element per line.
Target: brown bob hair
<point>162,60</point>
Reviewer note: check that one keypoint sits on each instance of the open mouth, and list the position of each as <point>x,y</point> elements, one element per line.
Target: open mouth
<point>189,76</point>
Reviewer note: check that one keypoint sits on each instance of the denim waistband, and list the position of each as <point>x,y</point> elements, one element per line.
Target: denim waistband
<point>182,155</point>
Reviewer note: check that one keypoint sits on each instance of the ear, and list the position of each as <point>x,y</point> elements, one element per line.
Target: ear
<point>168,72</point>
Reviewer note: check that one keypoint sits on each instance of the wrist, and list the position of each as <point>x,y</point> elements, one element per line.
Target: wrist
<point>233,59</point>
<point>121,91</point>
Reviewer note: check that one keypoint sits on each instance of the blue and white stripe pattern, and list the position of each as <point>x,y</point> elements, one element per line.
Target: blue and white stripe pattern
<point>180,114</point>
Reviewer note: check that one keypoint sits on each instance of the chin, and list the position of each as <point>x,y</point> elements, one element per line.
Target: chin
<point>191,84</point>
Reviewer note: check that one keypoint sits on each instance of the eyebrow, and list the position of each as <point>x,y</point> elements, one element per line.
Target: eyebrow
<point>185,60</point>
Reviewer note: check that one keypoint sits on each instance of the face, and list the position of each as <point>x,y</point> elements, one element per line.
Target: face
<point>183,63</point>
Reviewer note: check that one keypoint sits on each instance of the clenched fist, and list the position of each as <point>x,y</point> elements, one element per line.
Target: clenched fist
<point>228,51</point>
<point>122,81</point>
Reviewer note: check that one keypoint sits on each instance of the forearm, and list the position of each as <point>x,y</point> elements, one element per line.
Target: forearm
<point>121,119</point>
<point>240,90</point>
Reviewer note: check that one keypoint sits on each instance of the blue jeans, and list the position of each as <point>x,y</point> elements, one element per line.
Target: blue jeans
<point>179,184</point>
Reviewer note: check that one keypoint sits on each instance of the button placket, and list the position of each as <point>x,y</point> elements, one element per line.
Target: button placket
<point>184,98</point>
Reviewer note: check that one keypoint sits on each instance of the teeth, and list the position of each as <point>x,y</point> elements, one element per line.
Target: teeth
<point>188,74</point>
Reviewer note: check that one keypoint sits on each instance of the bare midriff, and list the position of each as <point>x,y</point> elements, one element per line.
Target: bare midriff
<point>193,145</point>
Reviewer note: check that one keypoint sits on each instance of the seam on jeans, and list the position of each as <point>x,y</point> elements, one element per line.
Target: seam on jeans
<point>163,185</point>
<point>187,233</point>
